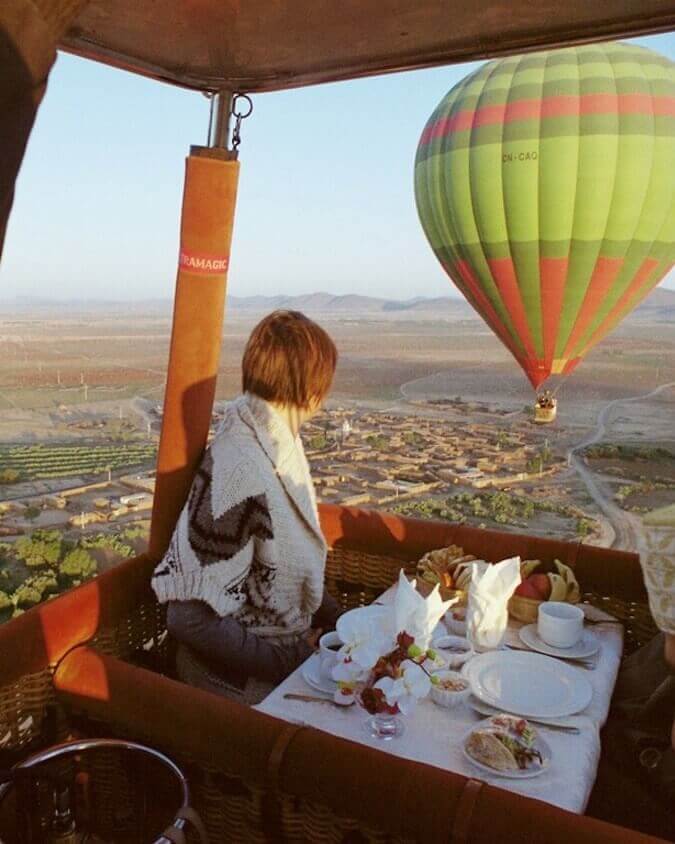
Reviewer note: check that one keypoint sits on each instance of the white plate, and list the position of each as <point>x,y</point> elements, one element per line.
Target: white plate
<point>528,684</point>
<point>311,674</point>
<point>586,646</point>
<point>540,743</point>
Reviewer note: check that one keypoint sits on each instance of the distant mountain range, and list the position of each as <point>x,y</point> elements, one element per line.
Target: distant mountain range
<point>350,304</point>
<point>658,307</point>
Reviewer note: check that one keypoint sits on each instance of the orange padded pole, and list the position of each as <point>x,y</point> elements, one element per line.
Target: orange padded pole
<point>209,199</point>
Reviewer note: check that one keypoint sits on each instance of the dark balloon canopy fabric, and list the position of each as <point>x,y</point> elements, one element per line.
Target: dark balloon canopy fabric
<point>545,186</point>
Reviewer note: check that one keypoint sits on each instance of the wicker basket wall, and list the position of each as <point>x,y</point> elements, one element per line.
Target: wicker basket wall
<point>355,578</point>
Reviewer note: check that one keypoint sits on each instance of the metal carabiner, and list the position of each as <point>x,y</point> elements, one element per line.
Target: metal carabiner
<point>239,116</point>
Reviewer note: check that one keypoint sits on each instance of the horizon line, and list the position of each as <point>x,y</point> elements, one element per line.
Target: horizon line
<point>40,299</point>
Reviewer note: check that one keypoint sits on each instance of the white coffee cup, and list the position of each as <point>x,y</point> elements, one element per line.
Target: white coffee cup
<point>327,655</point>
<point>560,625</point>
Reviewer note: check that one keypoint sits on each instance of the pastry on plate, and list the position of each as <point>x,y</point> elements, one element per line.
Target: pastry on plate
<point>510,747</point>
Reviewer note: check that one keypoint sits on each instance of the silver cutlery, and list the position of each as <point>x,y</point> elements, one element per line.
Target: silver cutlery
<point>312,699</point>
<point>603,621</point>
<point>486,709</point>
<point>592,615</point>
<point>588,664</point>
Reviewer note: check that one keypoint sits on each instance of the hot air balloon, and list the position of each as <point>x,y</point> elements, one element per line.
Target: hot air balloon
<point>544,184</point>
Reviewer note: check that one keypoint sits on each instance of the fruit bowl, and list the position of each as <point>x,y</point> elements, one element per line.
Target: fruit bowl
<point>542,582</point>
<point>524,609</point>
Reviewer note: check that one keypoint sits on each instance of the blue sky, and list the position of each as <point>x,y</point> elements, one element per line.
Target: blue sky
<point>325,197</point>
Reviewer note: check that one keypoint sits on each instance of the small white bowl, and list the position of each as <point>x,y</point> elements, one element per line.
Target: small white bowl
<point>456,625</point>
<point>446,697</point>
<point>448,644</point>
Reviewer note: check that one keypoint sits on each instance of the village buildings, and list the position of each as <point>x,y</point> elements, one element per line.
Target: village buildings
<point>376,459</point>
<point>358,458</point>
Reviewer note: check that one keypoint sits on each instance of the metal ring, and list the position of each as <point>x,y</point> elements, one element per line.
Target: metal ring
<point>82,745</point>
<point>235,100</point>
<point>650,758</point>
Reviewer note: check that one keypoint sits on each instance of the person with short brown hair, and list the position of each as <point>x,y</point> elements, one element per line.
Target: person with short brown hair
<point>289,361</point>
<point>243,575</point>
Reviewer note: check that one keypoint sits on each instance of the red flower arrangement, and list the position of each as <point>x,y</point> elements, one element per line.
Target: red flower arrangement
<point>373,699</point>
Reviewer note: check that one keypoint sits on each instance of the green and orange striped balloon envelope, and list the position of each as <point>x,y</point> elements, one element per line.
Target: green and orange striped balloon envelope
<point>545,186</point>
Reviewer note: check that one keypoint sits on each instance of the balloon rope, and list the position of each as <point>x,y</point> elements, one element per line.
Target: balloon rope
<point>562,381</point>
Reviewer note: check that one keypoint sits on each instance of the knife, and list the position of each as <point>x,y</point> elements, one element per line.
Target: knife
<point>486,709</point>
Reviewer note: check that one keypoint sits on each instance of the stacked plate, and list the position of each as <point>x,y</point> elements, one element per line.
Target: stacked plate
<point>528,684</point>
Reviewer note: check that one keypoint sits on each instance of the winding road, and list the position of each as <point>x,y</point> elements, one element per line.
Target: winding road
<point>628,529</point>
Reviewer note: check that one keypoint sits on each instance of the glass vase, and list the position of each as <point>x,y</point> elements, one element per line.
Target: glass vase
<point>384,726</point>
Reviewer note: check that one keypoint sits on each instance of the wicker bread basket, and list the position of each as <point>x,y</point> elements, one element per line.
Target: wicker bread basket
<point>425,588</point>
<point>442,563</point>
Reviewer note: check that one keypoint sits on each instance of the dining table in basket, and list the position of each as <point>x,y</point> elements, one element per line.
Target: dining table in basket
<point>436,736</point>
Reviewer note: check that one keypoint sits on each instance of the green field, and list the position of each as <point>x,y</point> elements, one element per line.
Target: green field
<point>44,462</point>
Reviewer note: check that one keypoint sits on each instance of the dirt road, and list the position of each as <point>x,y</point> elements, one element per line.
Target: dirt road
<point>629,531</point>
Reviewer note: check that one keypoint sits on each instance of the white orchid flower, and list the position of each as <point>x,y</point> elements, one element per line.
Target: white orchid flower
<point>406,690</point>
<point>366,637</point>
<point>415,615</point>
<point>349,672</point>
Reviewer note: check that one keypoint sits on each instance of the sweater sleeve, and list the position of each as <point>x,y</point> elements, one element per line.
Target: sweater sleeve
<point>228,647</point>
<point>212,548</point>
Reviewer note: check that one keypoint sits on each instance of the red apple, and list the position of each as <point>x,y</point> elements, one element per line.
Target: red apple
<point>526,589</point>
<point>542,584</point>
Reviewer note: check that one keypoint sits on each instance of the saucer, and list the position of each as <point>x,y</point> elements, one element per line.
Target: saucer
<point>586,646</point>
<point>311,674</point>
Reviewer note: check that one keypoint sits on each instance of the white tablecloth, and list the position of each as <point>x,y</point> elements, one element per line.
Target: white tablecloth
<point>434,735</point>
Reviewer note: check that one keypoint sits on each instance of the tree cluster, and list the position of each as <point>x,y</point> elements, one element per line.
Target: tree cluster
<point>499,507</point>
<point>38,566</point>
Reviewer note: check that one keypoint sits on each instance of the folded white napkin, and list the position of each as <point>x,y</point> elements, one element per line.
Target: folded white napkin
<point>487,614</point>
<point>415,615</point>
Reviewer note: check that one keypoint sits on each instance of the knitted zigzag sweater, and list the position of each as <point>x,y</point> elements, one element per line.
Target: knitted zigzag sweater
<point>248,541</point>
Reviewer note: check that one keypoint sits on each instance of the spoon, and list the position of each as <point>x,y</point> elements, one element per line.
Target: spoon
<point>314,699</point>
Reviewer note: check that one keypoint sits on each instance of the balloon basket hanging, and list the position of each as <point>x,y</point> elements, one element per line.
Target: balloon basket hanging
<point>543,415</point>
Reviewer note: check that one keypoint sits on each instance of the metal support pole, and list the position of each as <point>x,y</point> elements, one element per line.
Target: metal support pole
<point>221,129</point>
